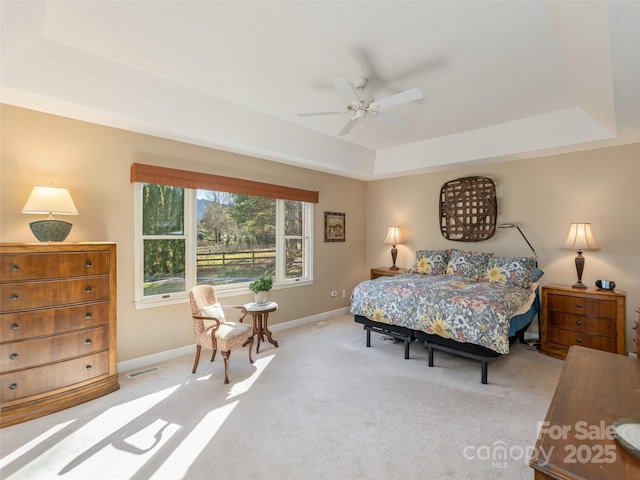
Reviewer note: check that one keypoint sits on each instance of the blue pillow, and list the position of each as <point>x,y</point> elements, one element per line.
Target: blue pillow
<point>537,273</point>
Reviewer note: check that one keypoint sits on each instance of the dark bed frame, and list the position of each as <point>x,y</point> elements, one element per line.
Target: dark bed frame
<point>435,342</point>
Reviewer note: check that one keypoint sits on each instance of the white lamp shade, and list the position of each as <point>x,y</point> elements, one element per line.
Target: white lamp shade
<point>50,200</point>
<point>394,237</point>
<point>580,238</point>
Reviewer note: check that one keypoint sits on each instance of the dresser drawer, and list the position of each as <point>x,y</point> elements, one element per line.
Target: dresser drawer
<point>577,323</point>
<point>38,351</point>
<point>18,326</point>
<point>27,295</point>
<point>36,266</point>
<point>582,305</point>
<point>567,338</point>
<point>24,383</point>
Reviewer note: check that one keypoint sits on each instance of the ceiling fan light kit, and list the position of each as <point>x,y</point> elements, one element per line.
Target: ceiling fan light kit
<point>363,105</point>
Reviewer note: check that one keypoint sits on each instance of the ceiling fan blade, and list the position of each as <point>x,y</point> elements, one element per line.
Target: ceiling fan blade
<point>314,114</point>
<point>399,98</point>
<point>390,119</point>
<point>347,128</point>
<point>347,89</point>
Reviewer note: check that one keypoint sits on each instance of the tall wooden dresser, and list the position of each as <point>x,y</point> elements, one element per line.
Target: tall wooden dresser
<point>57,327</point>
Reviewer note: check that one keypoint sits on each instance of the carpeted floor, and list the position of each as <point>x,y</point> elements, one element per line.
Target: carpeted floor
<point>321,406</point>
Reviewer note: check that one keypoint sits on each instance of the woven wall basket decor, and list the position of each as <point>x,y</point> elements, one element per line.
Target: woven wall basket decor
<point>468,209</point>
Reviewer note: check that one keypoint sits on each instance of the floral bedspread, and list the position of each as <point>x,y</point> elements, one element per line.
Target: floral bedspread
<point>446,305</point>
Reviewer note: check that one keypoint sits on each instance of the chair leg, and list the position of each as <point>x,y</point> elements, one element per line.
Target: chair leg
<point>195,364</point>
<point>225,356</point>
<point>213,355</point>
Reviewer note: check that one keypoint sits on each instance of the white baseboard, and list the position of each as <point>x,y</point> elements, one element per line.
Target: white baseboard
<point>143,362</point>
<point>633,354</point>
<point>530,336</point>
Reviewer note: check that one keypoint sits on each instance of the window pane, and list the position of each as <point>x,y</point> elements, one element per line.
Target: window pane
<point>293,218</point>
<point>295,257</point>
<point>164,266</point>
<point>162,210</point>
<point>236,237</point>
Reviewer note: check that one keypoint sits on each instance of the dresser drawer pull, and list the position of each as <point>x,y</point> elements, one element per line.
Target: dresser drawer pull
<point>578,305</point>
<point>13,268</point>
<point>87,263</point>
<point>88,315</point>
<point>14,326</point>
<point>87,290</point>
<point>88,341</point>
<point>578,322</point>
<point>635,326</point>
<point>579,340</point>
<point>14,297</point>
<point>88,367</point>
<point>14,356</point>
<point>13,386</point>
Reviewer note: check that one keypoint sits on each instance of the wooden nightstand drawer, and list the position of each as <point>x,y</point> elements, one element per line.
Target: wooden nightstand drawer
<point>25,383</point>
<point>18,326</point>
<point>567,338</point>
<point>577,323</point>
<point>25,266</point>
<point>38,351</point>
<point>582,305</point>
<point>386,272</point>
<point>52,293</point>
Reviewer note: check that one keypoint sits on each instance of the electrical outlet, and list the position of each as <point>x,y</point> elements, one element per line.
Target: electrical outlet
<point>334,294</point>
<point>344,294</point>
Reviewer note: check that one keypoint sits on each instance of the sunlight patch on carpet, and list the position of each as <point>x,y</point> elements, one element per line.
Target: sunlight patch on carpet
<point>242,387</point>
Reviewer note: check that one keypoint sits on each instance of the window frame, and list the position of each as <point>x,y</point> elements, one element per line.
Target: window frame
<point>190,236</point>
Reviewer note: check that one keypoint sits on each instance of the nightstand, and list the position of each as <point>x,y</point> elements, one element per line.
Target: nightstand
<point>591,318</point>
<point>385,272</point>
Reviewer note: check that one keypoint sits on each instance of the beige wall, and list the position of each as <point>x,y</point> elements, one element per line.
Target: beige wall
<point>94,163</point>
<point>542,195</point>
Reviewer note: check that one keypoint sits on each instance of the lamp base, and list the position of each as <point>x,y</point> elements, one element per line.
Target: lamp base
<point>579,285</point>
<point>394,268</point>
<point>50,230</point>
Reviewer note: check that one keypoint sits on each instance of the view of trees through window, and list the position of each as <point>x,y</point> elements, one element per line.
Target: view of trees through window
<point>236,238</point>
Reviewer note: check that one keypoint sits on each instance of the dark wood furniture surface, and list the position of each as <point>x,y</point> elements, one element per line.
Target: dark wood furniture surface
<point>260,315</point>
<point>595,389</point>
<point>57,327</point>
<point>386,272</point>
<point>590,317</point>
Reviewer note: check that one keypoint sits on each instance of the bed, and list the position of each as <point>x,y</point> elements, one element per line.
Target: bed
<point>468,303</point>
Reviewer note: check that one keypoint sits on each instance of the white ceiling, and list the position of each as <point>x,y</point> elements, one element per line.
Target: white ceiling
<point>501,80</point>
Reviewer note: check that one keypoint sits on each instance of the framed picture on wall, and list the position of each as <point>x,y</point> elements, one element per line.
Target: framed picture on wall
<point>334,227</point>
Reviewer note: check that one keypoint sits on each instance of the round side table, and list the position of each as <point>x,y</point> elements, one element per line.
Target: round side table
<point>260,314</point>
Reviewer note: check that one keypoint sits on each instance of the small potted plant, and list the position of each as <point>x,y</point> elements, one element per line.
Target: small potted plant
<point>260,287</point>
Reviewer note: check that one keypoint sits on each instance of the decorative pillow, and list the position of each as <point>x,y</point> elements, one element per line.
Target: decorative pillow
<point>214,310</point>
<point>537,273</point>
<point>431,262</point>
<point>468,264</point>
<point>515,271</point>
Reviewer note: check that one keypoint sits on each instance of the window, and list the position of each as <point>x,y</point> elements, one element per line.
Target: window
<point>189,236</point>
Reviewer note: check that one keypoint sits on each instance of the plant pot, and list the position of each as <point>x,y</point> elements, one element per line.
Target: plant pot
<point>261,297</point>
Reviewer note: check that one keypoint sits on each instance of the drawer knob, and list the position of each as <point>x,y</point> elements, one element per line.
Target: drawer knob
<point>88,315</point>
<point>87,263</point>
<point>88,367</point>
<point>579,340</point>
<point>578,322</point>
<point>578,305</point>
<point>14,297</point>
<point>14,326</point>
<point>88,341</point>
<point>13,386</point>
<point>14,356</point>
<point>87,290</point>
<point>13,268</point>
<point>635,326</point>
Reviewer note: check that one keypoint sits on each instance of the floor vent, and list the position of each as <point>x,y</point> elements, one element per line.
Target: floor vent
<point>318,324</point>
<point>142,372</point>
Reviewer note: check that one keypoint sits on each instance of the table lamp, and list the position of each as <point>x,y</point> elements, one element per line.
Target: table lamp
<point>394,237</point>
<point>580,238</point>
<point>50,200</point>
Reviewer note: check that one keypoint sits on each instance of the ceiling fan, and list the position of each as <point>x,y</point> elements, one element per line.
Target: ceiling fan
<point>363,105</point>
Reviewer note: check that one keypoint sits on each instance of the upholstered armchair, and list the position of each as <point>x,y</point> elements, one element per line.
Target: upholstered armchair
<point>213,331</point>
